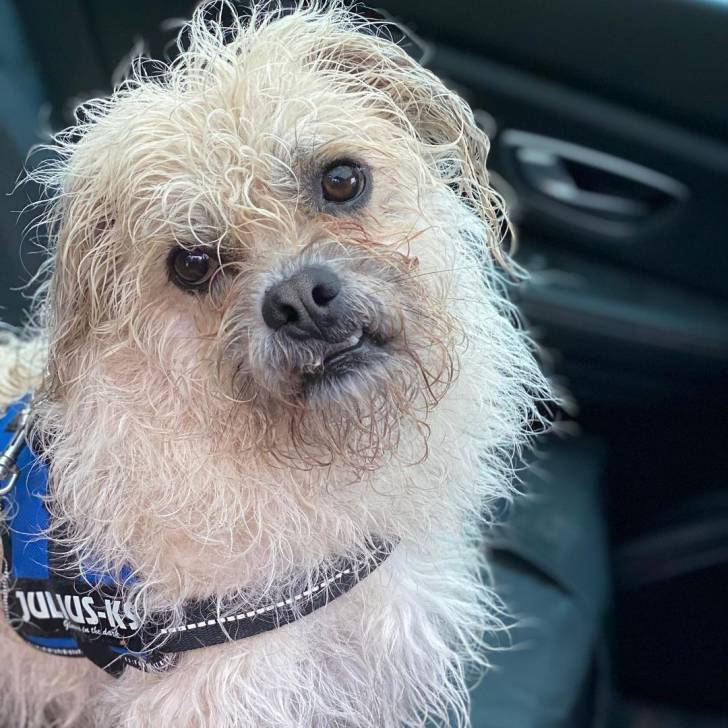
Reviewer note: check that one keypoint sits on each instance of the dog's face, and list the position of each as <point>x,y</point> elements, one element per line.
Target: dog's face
<point>267,236</point>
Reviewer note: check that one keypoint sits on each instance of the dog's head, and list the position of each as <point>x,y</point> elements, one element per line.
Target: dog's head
<point>273,230</point>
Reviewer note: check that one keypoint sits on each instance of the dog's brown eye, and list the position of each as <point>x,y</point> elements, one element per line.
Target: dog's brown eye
<point>191,268</point>
<point>343,182</point>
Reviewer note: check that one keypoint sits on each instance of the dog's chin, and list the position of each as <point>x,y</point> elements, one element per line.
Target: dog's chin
<point>351,403</point>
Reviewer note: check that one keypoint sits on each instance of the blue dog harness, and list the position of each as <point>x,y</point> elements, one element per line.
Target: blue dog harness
<point>64,610</point>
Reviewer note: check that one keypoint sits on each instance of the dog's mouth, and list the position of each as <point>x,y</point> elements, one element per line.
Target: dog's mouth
<point>362,350</point>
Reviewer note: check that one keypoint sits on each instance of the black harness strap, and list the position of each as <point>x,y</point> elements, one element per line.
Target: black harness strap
<point>200,629</point>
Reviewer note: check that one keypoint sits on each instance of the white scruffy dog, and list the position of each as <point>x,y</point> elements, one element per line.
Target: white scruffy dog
<point>274,329</point>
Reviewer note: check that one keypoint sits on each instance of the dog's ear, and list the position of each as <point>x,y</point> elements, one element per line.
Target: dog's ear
<point>82,283</point>
<point>425,108</point>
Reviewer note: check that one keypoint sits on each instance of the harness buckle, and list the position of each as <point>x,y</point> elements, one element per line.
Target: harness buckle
<point>8,468</point>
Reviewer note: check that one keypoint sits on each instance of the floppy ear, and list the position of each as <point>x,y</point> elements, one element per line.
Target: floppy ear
<point>80,287</point>
<point>434,115</point>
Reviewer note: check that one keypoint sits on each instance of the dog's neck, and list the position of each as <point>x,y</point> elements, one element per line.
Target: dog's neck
<point>195,516</point>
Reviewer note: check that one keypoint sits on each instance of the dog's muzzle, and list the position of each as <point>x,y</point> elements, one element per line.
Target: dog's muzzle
<point>312,311</point>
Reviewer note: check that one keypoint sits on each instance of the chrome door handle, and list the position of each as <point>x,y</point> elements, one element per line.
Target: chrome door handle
<point>618,188</point>
<point>549,175</point>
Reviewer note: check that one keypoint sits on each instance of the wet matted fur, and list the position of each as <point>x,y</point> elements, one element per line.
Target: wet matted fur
<point>191,442</point>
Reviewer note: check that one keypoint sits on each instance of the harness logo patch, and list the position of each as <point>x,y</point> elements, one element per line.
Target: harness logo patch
<point>84,611</point>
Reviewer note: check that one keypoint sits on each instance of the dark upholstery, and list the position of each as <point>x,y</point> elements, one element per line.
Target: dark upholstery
<point>22,100</point>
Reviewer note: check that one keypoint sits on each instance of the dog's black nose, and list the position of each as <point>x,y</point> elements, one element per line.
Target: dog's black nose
<point>307,304</point>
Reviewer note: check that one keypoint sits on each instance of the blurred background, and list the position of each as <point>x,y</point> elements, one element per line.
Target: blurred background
<point>609,129</point>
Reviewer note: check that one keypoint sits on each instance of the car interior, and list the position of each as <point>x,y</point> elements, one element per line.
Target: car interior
<point>608,124</point>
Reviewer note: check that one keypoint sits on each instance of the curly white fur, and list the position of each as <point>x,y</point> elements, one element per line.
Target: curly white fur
<point>178,443</point>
